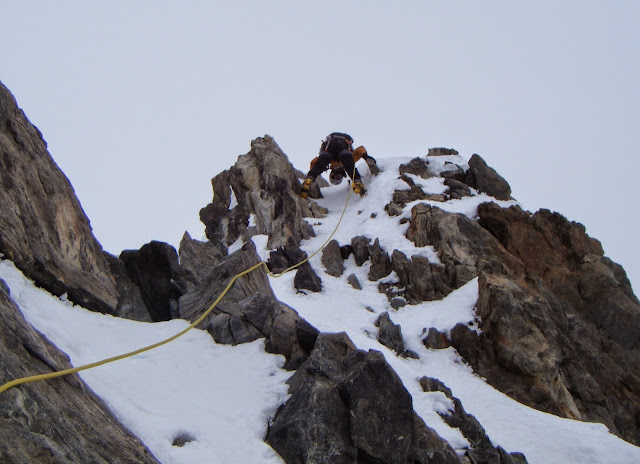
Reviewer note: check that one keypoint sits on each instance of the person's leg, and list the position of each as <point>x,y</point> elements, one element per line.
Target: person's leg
<point>346,158</point>
<point>322,164</point>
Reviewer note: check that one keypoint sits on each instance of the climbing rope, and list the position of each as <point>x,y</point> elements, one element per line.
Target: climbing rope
<point>73,370</point>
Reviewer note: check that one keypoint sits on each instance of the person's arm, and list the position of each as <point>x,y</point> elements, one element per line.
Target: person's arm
<point>367,157</point>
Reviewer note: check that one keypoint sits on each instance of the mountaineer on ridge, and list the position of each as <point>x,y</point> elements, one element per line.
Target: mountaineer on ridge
<point>337,153</point>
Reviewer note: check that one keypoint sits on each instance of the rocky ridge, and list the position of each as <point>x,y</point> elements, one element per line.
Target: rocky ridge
<point>559,321</point>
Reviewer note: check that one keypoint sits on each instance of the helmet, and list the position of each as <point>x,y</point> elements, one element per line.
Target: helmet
<point>336,175</point>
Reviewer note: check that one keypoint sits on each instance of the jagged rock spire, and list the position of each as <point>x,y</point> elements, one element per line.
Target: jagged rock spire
<point>262,184</point>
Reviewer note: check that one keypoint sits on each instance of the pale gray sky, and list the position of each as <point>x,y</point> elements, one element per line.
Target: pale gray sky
<point>143,102</point>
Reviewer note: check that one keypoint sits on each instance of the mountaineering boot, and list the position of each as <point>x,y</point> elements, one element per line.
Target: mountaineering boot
<point>305,187</point>
<point>358,187</point>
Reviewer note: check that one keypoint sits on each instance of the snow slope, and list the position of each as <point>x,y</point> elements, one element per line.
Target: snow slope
<point>221,397</point>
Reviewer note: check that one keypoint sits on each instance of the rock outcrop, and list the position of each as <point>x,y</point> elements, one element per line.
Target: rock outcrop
<point>260,185</point>
<point>560,323</point>
<point>485,179</point>
<point>43,228</point>
<point>563,334</point>
<point>249,310</point>
<point>347,406</point>
<point>155,270</point>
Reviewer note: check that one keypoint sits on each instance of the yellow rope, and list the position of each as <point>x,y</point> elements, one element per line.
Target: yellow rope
<point>73,370</point>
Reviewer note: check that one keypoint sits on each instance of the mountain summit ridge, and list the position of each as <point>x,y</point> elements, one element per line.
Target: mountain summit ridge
<point>554,325</point>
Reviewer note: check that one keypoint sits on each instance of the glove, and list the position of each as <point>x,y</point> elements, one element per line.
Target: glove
<point>358,187</point>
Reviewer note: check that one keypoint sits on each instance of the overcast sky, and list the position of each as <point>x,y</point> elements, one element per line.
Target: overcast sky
<point>143,102</point>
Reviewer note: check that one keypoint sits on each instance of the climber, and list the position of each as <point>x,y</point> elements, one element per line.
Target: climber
<point>336,152</point>
<point>338,171</point>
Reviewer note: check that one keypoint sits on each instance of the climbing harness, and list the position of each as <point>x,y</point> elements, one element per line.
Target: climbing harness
<point>73,370</point>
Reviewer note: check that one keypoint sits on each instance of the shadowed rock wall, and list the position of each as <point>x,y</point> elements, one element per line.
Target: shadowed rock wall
<point>43,228</point>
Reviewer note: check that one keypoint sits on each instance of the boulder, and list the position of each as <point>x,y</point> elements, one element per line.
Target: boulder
<point>347,406</point>
<point>354,282</point>
<point>436,340</point>
<point>485,179</point>
<point>389,334</point>
<point>360,249</point>
<point>155,270</point>
<point>380,262</point>
<point>417,167</point>
<point>43,228</point>
<point>332,259</point>
<point>307,279</point>
<point>441,151</point>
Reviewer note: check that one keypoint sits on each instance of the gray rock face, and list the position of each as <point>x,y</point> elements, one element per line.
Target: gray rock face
<point>463,245</point>
<point>155,270</point>
<point>380,262</point>
<point>197,258</point>
<point>349,406</point>
<point>360,249</point>
<point>419,279</point>
<point>131,305</point>
<point>390,334</point>
<point>332,259</point>
<point>262,183</point>
<point>547,298</point>
<point>57,421</point>
<point>249,310</point>
<point>562,334</point>
<point>307,279</point>
<point>43,228</point>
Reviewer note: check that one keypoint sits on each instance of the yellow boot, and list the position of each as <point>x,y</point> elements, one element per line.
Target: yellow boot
<point>305,187</point>
<point>358,187</point>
